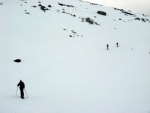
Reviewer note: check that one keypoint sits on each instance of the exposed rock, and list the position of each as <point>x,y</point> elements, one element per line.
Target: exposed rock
<point>101,13</point>
<point>17,60</point>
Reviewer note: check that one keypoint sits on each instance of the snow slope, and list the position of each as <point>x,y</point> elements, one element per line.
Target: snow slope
<point>65,65</point>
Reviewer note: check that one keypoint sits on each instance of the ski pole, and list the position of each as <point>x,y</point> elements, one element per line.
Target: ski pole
<point>16,90</point>
<point>26,93</point>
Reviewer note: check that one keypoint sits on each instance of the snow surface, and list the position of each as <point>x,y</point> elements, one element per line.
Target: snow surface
<point>75,74</point>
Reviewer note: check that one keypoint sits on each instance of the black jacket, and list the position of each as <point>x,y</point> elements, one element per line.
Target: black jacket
<point>21,84</point>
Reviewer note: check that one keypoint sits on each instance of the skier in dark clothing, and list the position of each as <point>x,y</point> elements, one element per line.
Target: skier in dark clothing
<point>22,86</point>
<point>117,44</point>
<point>107,46</point>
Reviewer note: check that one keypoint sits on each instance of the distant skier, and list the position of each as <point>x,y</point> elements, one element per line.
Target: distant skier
<point>107,46</point>
<point>22,86</point>
<point>117,44</point>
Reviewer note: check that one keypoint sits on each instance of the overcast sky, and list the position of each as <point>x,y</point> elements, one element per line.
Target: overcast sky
<point>137,6</point>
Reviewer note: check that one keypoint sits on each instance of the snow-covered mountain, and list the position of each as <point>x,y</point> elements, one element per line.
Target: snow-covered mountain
<point>65,64</point>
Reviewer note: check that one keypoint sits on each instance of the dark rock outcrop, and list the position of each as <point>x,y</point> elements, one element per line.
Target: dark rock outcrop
<point>101,13</point>
<point>17,60</point>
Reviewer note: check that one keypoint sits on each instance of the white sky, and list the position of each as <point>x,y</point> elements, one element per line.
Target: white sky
<point>138,6</point>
